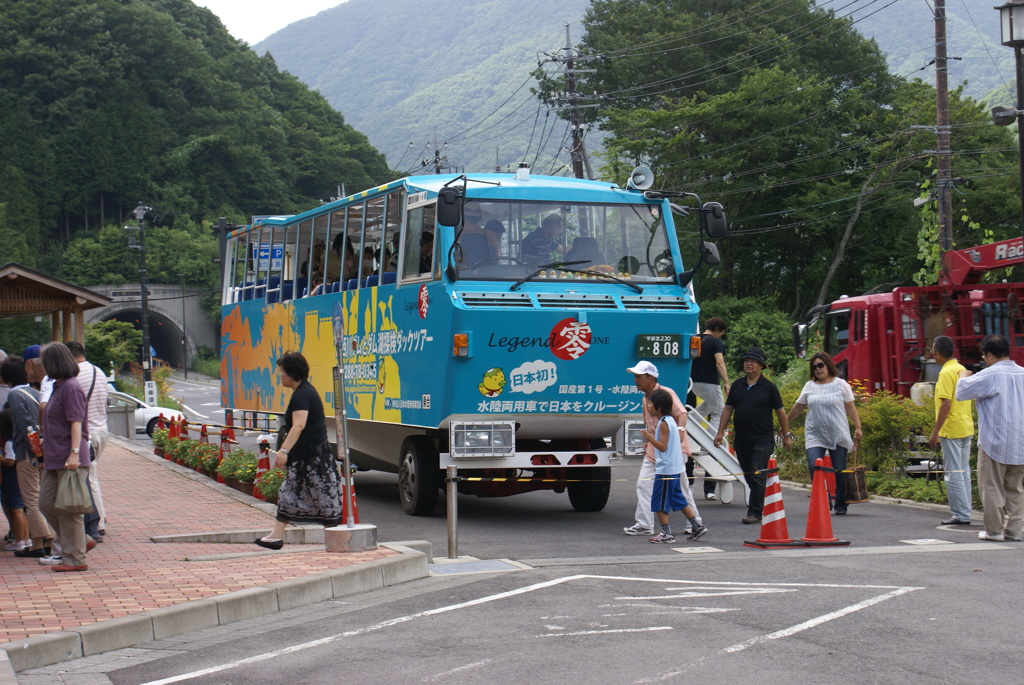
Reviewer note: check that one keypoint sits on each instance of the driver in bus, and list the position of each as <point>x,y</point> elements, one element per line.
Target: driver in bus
<point>427,252</point>
<point>537,248</point>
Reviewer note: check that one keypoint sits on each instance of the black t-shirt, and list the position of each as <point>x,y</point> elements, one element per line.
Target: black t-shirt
<point>704,369</point>
<point>753,407</point>
<point>306,398</point>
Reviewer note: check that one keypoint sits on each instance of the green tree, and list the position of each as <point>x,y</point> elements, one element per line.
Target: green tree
<point>112,344</point>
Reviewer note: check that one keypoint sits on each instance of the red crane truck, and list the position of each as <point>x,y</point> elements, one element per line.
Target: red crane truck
<point>883,340</point>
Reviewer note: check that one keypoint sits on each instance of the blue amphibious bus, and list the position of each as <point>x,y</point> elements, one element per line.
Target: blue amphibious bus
<point>485,321</point>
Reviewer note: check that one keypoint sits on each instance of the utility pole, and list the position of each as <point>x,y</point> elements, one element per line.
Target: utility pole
<point>576,147</point>
<point>943,154</point>
<point>571,100</point>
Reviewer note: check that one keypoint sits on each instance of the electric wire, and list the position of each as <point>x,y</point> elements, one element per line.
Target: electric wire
<point>760,49</point>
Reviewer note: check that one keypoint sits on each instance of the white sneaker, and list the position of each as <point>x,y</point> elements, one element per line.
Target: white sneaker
<point>51,560</point>
<point>711,496</point>
<point>17,546</point>
<point>998,537</point>
<point>637,530</point>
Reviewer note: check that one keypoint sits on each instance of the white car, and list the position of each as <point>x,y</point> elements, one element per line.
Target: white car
<point>145,415</point>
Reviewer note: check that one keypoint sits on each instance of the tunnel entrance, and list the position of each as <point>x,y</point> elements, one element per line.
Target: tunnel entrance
<point>165,336</point>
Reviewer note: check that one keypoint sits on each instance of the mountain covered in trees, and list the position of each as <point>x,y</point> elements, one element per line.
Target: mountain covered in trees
<point>405,71</point>
<point>410,71</point>
<point>106,103</point>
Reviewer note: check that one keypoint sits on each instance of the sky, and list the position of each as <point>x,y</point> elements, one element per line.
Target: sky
<point>254,20</point>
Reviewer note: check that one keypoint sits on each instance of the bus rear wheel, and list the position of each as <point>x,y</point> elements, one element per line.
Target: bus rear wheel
<point>418,476</point>
<point>589,487</point>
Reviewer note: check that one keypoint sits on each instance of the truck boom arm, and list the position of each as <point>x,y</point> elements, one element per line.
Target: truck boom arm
<point>963,267</point>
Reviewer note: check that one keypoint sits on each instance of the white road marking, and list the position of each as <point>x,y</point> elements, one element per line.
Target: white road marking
<point>266,656</point>
<point>192,411</point>
<point>360,631</point>
<point>722,593</point>
<point>928,541</point>
<point>211,404</point>
<point>460,669</point>
<point>806,625</point>
<point>605,632</point>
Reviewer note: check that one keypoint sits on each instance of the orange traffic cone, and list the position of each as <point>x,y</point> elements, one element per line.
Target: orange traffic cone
<point>184,428</point>
<point>262,466</point>
<point>345,484</point>
<point>830,478</point>
<point>819,523</point>
<point>204,436</point>
<point>774,531</point>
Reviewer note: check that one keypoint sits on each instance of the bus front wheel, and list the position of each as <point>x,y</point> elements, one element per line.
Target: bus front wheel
<point>589,487</point>
<point>418,476</point>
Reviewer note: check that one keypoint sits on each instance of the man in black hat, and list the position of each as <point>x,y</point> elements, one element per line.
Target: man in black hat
<point>752,399</point>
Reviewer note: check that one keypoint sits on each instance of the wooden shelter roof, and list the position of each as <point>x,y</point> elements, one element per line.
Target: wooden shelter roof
<point>24,292</point>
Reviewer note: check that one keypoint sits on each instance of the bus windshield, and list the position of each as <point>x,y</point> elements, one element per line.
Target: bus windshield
<point>509,240</point>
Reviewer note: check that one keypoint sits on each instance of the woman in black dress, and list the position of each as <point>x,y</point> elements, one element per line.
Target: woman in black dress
<point>310,492</point>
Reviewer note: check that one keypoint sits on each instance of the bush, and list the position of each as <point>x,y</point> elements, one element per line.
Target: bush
<point>269,482</point>
<point>239,465</point>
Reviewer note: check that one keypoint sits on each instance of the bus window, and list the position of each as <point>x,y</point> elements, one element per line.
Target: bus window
<point>620,240</point>
<point>837,331</point>
<point>418,247</point>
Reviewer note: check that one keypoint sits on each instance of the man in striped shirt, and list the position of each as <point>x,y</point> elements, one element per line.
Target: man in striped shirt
<point>998,391</point>
<point>94,385</point>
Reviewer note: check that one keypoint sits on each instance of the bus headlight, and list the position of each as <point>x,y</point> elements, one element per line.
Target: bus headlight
<point>483,439</point>
<point>634,442</point>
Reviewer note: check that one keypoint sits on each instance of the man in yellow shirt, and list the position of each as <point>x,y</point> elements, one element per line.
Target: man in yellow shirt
<point>954,428</point>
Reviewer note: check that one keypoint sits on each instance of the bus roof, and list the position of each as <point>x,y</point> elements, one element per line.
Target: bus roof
<point>493,185</point>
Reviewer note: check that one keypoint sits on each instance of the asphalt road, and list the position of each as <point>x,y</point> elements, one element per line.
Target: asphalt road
<point>909,601</point>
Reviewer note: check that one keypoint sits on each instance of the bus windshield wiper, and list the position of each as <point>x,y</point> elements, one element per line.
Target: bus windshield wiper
<point>560,266</point>
<point>552,265</point>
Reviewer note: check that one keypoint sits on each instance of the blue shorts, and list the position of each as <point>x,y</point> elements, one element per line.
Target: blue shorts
<point>10,494</point>
<point>668,494</point>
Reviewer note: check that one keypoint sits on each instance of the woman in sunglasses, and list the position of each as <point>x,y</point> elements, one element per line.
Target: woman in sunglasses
<point>828,400</point>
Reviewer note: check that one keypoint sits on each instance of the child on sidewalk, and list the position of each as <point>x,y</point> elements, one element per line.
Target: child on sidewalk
<point>668,465</point>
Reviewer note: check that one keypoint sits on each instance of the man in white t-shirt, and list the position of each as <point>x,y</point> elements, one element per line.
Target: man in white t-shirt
<point>94,385</point>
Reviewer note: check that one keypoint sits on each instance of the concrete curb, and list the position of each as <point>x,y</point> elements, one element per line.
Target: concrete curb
<point>157,624</point>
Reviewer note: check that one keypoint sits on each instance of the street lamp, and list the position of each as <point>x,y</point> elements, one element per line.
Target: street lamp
<point>1011,31</point>
<point>184,328</point>
<point>147,359</point>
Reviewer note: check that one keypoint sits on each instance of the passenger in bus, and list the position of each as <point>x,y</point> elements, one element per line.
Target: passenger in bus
<point>496,228</point>
<point>318,260</point>
<point>310,492</point>
<point>316,284</point>
<point>332,268</point>
<point>585,249</point>
<point>427,253</point>
<point>482,247</point>
<point>538,247</point>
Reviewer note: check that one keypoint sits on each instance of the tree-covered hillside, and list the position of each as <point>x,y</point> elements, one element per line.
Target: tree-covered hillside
<point>105,103</point>
<point>401,70</point>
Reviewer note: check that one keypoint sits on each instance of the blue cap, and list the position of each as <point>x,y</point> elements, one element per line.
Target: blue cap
<point>31,352</point>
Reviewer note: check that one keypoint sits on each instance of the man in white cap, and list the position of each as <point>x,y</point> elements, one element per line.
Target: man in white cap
<point>645,375</point>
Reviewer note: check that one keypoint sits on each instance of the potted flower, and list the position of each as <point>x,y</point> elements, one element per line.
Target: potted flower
<point>160,442</point>
<point>207,457</point>
<point>245,470</point>
<point>226,469</point>
<point>269,483</point>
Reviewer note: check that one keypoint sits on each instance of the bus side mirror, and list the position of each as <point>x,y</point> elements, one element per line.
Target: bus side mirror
<point>800,340</point>
<point>709,254</point>
<point>714,217</point>
<point>449,206</point>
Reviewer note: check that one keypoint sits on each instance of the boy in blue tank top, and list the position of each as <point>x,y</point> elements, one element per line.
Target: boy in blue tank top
<point>668,466</point>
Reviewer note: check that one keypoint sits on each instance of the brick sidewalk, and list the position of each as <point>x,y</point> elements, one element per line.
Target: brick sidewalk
<point>129,573</point>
